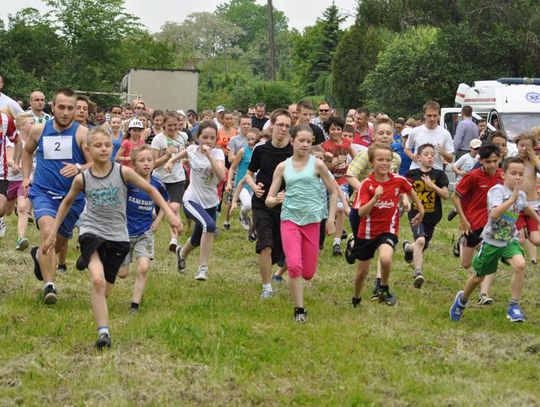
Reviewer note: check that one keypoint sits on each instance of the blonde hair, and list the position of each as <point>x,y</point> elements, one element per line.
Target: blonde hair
<point>377,146</point>
<point>139,149</point>
<point>532,134</point>
<point>20,120</point>
<point>94,132</point>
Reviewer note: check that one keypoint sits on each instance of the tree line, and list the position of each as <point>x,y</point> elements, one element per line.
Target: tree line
<point>395,56</point>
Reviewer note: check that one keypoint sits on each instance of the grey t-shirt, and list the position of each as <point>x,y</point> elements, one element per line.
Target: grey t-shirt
<point>105,212</point>
<point>501,231</point>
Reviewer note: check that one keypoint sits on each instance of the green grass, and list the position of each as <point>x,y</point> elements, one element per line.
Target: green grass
<point>216,343</point>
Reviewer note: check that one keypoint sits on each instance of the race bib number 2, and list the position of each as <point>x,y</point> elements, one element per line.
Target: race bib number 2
<point>57,148</point>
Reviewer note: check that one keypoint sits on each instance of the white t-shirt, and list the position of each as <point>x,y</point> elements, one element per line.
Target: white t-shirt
<point>422,135</point>
<point>465,163</point>
<point>8,105</point>
<point>161,142</point>
<point>203,183</point>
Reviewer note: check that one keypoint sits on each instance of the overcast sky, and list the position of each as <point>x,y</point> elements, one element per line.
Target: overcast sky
<point>153,13</point>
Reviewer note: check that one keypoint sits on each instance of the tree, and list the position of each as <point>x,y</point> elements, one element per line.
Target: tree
<point>31,53</point>
<point>356,55</point>
<point>202,36</point>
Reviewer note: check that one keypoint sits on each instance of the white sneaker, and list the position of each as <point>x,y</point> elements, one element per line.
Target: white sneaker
<point>266,294</point>
<point>3,228</point>
<point>202,274</point>
<point>173,244</point>
<point>245,222</point>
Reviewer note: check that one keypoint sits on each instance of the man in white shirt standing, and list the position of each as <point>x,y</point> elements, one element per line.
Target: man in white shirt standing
<point>431,133</point>
<point>7,104</point>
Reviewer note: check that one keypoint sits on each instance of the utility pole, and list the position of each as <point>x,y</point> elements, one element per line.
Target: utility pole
<point>271,42</point>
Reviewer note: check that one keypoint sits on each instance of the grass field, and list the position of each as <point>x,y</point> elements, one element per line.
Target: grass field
<point>216,343</point>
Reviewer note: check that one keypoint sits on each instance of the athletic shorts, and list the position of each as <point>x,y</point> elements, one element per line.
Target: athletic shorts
<point>175,190</point>
<point>141,246</point>
<point>15,190</point>
<point>111,254</point>
<point>487,259</point>
<point>267,223</point>
<point>4,184</point>
<point>364,249</point>
<point>527,223</point>
<point>423,230</point>
<point>45,204</point>
<point>474,238</point>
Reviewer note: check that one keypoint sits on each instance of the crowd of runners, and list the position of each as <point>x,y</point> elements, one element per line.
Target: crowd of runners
<point>290,177</point>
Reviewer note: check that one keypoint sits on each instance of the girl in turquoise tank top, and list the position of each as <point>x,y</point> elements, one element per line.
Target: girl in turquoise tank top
<point>303,208</point>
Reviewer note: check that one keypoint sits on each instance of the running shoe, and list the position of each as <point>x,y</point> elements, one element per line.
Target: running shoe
<point>387,297</point>
<point>514,313</point>
<point>173,244</point>
<point>457,308</point>
<point>62,268</point>
<point>266,294</point>
<point>349,250</point>
<point>355,301</point>
<point>407,255</point>
<point>226,225</point>
<point>252,236</point>
<point>22,244</point>
<point>456,249</point>
<point>180,261</point>
<point>485,300</point>
<point>202,273</point>
<point>104,341</point>
<point>451,215</point>
<point>277,278</point>
<point>37,268</point>
<point>245,222</point>
<point>376,290</point>
<point>3,228</point>
<point>336,250</point>
<point>418,279</point>
<point>49,295</point>
<point>300,316</point>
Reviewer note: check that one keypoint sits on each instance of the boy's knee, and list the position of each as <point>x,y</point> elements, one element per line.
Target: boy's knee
<point>386,262</point>
<point>99,283</point>
<point>519,265</point>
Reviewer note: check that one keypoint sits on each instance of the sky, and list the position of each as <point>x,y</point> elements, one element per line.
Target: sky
<point>154,13</point>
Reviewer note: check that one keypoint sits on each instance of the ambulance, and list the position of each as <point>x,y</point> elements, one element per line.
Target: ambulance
<point>508,104</point>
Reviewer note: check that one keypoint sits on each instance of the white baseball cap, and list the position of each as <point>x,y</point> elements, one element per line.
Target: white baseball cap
<point>135,123</point>
<point>475,143</point>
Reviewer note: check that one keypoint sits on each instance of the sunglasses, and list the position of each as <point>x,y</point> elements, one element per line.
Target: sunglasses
<point>323,110</point>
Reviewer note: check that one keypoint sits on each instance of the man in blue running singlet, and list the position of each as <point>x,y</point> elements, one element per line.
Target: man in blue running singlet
<point>59,145</point>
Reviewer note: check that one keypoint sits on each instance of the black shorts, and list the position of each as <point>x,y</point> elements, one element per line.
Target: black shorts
<point>267,223</point>
<point>175,190</point>
<point>111,254</point>
<point>4,184</point>
<point>364,249</point>
<point>423,230</point>
<point>473,239</point>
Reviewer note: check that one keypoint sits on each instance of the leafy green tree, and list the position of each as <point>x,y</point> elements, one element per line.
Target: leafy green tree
<point>355,56</point>
<point>202,36</point>
<point>251,18</point>
<point>31,53</point>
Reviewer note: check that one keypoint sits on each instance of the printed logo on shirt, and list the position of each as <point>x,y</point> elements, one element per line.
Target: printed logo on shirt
<point>103,196</point>
<point>384,204</point>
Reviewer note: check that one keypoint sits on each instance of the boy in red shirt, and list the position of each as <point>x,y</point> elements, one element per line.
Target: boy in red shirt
<point>378,207</point>
<point>470,201</point>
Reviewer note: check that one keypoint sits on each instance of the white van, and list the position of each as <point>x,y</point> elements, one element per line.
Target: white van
<point>508,104</point>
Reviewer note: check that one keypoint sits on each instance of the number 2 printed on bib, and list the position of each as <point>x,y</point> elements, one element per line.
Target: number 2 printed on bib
<point>57,148</point>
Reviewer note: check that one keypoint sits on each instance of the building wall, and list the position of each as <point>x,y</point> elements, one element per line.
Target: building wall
<point>161,89</point>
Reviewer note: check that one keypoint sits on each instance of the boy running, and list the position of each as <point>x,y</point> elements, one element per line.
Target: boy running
<point>430,184</point>
<point>377,204</point>
<point>504,203</point>
<point>469,199</point>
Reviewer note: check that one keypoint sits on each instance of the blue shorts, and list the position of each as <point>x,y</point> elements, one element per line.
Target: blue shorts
<point>47,204</point>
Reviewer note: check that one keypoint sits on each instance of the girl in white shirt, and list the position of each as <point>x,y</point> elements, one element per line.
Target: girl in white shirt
<point>207,169</point>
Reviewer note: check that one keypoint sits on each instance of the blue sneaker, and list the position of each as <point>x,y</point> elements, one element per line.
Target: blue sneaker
<point>277,278</point>
<point>514,313</point>
<point>457,308</point>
